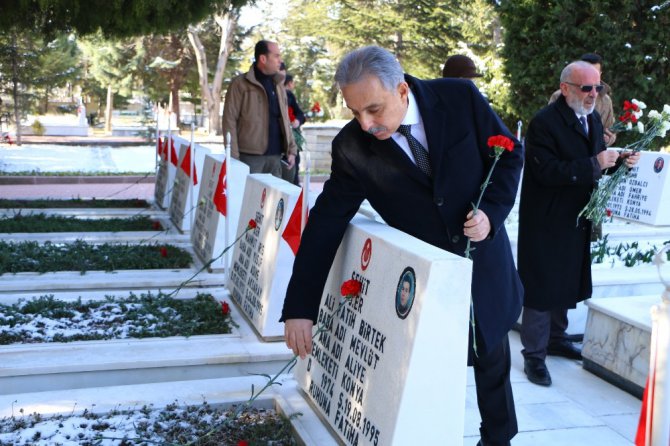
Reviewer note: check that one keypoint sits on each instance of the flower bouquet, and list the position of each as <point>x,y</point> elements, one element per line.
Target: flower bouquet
<point>658,123</point>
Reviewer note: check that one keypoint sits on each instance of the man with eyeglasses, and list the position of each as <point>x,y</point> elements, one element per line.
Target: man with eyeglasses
<point>603,101</point>
<point>565,156</point>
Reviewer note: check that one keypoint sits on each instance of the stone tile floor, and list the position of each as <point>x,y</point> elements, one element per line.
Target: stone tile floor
<point>578,409</point>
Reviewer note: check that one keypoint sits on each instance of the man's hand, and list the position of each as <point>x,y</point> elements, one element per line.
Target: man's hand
<point>630,158</point>
<point>477,227</point>
<point>295,124</point>
<point>609,137</point>
<point>291,160</point>
<point>607,158</point>
<point>298,336</point>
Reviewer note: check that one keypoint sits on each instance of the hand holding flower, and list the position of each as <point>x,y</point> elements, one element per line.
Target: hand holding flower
<point>298,336</point>
<point>477,226</point>
<point>607,159</point>
<point>631,158</point>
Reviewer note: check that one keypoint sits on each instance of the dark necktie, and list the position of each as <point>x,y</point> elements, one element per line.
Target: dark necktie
<point>582,119</point>
<point>419,152</point>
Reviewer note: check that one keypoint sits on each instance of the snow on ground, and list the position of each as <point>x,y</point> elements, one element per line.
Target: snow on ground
<point>67,158</point>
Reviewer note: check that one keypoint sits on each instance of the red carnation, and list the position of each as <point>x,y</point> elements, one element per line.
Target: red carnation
<point>243,443</point>
<point>608,212</point>
<point>351,288</point>
<point>252,224</point>
<point>502,142</point>
<point>164,252</point>
<point>225,308</point>
<point>291,114</point>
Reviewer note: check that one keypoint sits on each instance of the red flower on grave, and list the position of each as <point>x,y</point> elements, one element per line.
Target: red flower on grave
<point>500,142</point>
<point>252,224</point>
<point>608,212</point>
<point>164,252</point>
<point>351,288</point>
<point>243,443</point>
<point>156,225</point>
<point>225,308</point>
<point>316,108</point>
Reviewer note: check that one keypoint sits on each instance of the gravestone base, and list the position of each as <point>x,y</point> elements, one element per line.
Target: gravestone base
<point>307,429</point>
<point>617,340</point>
<point>74,365</point>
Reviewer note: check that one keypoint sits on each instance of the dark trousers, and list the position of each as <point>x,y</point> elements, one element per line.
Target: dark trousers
<point>541,328</point>
<point>494,395</point>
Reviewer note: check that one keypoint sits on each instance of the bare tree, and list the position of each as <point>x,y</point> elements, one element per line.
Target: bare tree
<point>211,93</point>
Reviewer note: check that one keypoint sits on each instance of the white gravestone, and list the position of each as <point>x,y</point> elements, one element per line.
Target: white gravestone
<point>391,368</point>
<point>165,175</point>
<point>208,232</point>
<point>184,192</point>
<point>645,196</point>
<point>262,261</point>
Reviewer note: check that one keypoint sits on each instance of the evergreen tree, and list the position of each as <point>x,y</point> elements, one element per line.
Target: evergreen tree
<point>542,36</point>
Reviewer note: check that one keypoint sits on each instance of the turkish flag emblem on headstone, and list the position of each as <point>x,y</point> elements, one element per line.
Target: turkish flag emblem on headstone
<point>293,231</point>
<point>186,166</point>
<point>220,197</point>
<point>174,159</point>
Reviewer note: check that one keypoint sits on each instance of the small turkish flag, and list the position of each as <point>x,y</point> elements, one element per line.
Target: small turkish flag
<point>220,197</point>
<point>293,231</point>
<point>186,166</point>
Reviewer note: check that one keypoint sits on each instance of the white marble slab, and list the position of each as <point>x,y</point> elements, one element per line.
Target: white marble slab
<point>618,334</point>
<point>262,260</point>
<point>212,231</point>
<point>186,188</point>
<point>222,392</point>
<point>388,364</point>
<point>51,366</point>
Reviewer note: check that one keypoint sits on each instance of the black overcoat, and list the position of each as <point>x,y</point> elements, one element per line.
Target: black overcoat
<point>560,173</point>
<point>458,122</point>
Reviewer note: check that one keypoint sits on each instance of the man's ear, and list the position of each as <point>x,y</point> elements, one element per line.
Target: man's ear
<point>403,90</point>
<point>564,89</point>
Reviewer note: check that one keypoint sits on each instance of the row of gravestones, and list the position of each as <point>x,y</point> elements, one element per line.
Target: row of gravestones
<point>344,373</point>
<point>375,361</point>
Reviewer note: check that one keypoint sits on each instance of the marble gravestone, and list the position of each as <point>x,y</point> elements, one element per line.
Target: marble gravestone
<point>391,367</point>
<point>645,196</point>
<point>185,190</point>
<point>208,235</point>
<point>165,175</point>
<point>262,260</point>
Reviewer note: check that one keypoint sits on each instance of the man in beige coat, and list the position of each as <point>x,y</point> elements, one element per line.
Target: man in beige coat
<point>255,114</point>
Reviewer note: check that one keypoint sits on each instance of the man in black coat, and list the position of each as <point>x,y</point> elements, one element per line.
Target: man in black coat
<point>565,157</point>
<point>373,161</point>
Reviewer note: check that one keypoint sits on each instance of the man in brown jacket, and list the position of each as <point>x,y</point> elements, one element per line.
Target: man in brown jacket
<point>255,114</point>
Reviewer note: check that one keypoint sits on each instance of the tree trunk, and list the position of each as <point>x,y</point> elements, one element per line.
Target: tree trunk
<point>108,109</point>
<point>15,90</point>
<point>174,100</point>
<point>211,94</point>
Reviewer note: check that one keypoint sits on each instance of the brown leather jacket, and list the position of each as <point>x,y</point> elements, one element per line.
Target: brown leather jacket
<point>245,116</point>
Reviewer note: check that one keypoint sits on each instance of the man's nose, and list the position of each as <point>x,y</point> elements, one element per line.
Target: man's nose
<point>365,121</point>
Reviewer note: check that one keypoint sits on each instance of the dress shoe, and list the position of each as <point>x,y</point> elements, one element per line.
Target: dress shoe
<point>565,349</point>
<point>536,371</point>
<point>574,337</point>
<point>481,443</point>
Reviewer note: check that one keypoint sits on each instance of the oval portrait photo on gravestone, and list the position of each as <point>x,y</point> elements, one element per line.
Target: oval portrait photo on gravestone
<point>404,296</point>
<point>658,164</point>
<point>279,214</point>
